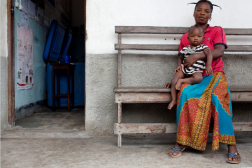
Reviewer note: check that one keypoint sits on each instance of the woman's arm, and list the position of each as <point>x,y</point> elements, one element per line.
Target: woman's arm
<point>217,52</point>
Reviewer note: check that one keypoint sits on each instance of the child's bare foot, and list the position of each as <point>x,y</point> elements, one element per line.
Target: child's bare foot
<point>171,104</point>
<point>178,85</point>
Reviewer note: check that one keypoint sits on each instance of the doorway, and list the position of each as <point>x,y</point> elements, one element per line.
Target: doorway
<point>29,108</point>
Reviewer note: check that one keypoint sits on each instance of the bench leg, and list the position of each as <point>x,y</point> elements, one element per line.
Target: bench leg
<point>119,142</point>
<point>119,113</point>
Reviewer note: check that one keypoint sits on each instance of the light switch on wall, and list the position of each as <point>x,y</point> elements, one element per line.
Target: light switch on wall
<point>17,4</point>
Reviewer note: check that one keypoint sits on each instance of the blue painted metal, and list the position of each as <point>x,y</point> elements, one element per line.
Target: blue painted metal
<point>54,42</point>
<point>67,40</point>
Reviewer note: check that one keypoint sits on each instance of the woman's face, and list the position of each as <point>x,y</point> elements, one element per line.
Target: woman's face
<point>202,13</point>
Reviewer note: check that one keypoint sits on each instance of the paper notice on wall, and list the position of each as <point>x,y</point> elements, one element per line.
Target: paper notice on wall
<point>24,57</point>
<point>25,18</point>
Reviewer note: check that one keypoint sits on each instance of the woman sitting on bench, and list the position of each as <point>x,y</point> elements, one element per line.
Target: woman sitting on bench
<point>197,103</point>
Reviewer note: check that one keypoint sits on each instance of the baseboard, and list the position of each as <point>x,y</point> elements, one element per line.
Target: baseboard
<point>28,109</point>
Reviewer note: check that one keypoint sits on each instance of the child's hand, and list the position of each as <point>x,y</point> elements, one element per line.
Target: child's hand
<point>178,69</point>
<point>209,70</point>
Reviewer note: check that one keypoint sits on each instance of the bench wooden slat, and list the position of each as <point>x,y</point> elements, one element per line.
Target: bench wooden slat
<point>168,90</point>
<point>240,88</point>
<point>143,97</point>
<point>230,31</point>
<point>239,48</point>
<point>147,128</point>
<point>175,47</point>
<point>150,30</point>
<point>141,89</point>
<point>173,30</point>
<point>162,95</point>
<point>161,128</point>
<point>158,47</point>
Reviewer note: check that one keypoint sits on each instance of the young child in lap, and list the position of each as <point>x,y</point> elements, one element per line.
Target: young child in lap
<point>192,74</point>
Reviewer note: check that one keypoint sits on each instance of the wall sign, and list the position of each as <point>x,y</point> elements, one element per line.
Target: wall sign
<point>24,57</point>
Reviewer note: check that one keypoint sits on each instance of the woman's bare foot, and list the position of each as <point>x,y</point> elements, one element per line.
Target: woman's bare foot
<point>175,153</point>
<point>178,85</point>
<point>173,102</point>
<point>232,149</point>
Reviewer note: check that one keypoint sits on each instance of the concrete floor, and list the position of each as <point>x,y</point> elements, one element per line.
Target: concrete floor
<point>61,119</point>
<point>47,124</point>
<point>96,152</point>
<point>58,140</point>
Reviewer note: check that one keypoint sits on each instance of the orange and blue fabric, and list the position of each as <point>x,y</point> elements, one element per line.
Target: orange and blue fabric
<point>196,104</point>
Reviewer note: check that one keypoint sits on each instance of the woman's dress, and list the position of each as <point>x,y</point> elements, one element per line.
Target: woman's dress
<point>197,103</point>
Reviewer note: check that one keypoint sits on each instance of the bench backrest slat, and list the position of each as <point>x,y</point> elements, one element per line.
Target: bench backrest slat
<point>175,47</point>
<point>160,47</point>
<point>150,30</point>
<point>172,30</point>
<point>229,31</point>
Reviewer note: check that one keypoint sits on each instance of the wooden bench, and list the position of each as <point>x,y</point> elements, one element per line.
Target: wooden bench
<point>159,94</point>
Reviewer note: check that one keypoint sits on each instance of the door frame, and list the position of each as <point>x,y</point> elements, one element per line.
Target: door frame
<point>11,62</point>
<point>85,37</point>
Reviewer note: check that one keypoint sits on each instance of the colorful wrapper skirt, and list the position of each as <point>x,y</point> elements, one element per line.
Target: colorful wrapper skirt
<point>196,104</point>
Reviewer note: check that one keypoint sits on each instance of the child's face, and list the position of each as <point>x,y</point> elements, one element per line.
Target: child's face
<point>196,36</point>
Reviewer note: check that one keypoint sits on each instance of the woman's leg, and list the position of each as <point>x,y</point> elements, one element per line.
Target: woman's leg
<point>175,153</point>
<point>194,112</point>
<point>177,76</point>
<point>222,113</point>
<point>196,78</point>
<point>232,149</point>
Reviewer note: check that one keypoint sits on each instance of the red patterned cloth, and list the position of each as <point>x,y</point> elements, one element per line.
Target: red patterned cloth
<point>196,104</point>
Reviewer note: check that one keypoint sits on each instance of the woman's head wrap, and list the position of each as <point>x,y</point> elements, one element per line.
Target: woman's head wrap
<point>209,2</point>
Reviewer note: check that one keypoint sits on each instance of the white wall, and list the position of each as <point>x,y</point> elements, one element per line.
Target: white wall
<point>3,64</point>
<point>139,69</point>
<point>104,15</point>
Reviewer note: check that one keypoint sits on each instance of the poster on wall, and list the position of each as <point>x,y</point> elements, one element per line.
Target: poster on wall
<point>24,57</point>
<point>25,18</point>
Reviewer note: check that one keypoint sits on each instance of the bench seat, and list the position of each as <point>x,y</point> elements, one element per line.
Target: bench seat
<point>162,95</point>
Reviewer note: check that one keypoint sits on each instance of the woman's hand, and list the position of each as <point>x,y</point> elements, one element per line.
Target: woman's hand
<point>189,61</point>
